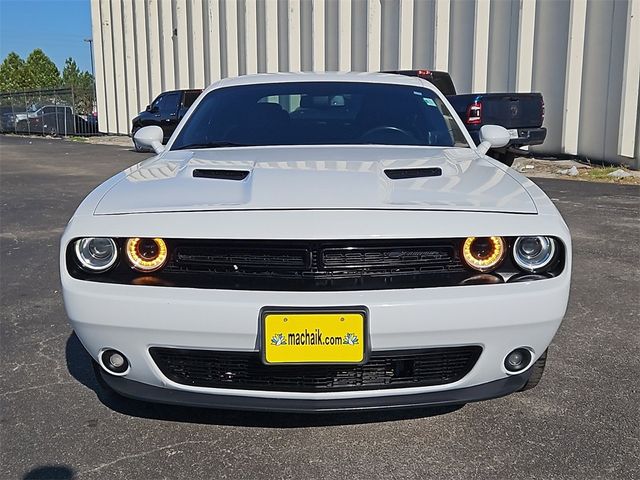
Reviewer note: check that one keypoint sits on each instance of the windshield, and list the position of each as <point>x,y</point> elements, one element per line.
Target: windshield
<point>320,113</point>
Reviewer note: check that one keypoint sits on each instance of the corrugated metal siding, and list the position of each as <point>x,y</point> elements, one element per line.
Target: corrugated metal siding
<point>581,54</point>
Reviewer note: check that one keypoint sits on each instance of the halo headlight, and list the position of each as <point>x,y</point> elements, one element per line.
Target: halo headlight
<point>146,254</point>
<point>96,254</point>
<point>483,253</point>
<point>533,254</point>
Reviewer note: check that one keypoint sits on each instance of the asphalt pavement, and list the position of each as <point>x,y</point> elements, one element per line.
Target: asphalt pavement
<point>582,421</point>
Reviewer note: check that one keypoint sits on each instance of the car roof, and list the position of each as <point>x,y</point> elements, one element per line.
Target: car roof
<point>181,90</point>
<point>364,77</point>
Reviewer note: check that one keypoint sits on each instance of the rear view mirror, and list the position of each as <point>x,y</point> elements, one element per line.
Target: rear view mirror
<point>492,136</point>
<point>337,101</point>
<point>148,109</point>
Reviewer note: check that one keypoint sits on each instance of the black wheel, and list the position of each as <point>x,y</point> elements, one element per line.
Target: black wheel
<point>21,127</point>
<point>504,157</point>
<point>138,148</point>
<point>537,369</point>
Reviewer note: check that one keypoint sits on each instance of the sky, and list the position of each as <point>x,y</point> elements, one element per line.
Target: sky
<point>58,27</point>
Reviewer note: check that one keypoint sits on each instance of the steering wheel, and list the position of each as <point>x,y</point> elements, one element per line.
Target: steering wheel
<point>387,131</point>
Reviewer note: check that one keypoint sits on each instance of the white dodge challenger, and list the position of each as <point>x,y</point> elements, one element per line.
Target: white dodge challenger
<point>317,242</point>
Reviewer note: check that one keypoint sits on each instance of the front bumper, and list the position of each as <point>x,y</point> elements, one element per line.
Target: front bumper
<point>499,318</point>
<point>141,391</point>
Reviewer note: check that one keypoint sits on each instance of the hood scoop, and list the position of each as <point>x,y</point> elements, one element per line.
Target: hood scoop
<point>404,173</point>
<point>217,174</point>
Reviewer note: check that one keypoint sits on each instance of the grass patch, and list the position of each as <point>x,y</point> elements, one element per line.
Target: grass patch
<point>78,139</point>
<point>602,174</point>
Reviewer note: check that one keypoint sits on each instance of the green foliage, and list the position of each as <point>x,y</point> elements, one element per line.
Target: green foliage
<point>41,72</point>
<point>37,72</point>
<point>81,83</point>
<point>13,74</point>
<point>74,78</point>
<point>70,73</point>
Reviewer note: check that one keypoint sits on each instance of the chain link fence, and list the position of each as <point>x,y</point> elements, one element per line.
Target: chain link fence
<point>57,112</point>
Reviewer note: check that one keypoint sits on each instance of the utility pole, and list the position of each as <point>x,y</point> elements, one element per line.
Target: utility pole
<point>93,72</point>
<point>90,42</point>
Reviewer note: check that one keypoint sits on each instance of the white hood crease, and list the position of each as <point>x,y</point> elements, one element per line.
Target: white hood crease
<point>317,177</point>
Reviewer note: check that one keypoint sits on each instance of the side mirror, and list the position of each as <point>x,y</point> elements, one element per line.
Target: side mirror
<point>148,109</point>
<point>150,137</point>
<point>493,136</point>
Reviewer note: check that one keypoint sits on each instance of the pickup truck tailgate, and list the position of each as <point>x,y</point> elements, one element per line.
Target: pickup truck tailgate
<point>522,110</point>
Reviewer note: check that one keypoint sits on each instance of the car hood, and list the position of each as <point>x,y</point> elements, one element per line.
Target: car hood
<point>317,177</point>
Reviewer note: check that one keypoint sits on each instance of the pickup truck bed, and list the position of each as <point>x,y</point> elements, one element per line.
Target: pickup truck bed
<point>520,113</point>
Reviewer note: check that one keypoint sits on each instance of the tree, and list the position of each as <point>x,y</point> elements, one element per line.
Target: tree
<point>13,74</point>
<point>74,78</point>
<point>70,73</point>
<point>41,71</point>
<point>81,83</point>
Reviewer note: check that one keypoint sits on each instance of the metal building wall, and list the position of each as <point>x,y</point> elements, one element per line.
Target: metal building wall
<point>581,54</point>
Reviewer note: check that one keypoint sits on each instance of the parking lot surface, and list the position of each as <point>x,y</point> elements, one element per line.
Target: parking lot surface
<point>581,422</point>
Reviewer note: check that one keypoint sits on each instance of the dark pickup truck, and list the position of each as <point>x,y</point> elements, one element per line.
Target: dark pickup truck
<point>520,113</point>
<point>165,111</point>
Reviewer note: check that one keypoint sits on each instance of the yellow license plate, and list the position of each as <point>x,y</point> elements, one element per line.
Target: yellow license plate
<point>314,337</point>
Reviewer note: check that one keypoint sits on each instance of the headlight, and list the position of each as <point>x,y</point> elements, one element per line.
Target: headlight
<point>483,253</point>
<point>96,254</point>
<point>533,254</point>
<point>146,254</point>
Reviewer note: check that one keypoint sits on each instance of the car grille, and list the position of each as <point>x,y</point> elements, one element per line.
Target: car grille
<point>245,370</point>
<point>308,266</point>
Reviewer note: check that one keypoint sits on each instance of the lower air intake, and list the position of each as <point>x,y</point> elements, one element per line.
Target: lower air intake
<point>385,369</point>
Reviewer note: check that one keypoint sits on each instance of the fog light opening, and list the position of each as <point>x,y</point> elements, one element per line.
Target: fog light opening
<point>114,362</point>
<point>518,360</point>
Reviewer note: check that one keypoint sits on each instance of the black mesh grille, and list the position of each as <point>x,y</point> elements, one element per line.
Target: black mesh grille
<point>297,265</point>
<point>244,370</point>
<point>418,257</point>
<point>222,258</point>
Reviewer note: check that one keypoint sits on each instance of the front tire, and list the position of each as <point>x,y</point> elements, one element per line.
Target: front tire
<point>505,157</point>
<point>537,369</point>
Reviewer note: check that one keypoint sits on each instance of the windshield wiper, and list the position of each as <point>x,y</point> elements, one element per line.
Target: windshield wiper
<point>211,145</point>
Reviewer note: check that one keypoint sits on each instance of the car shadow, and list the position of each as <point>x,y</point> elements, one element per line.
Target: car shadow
<point>50,472</point>
<point>80,367</point>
